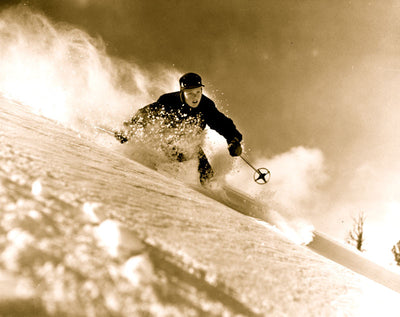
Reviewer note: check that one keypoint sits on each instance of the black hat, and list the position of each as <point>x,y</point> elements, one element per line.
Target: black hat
<point>190,80</point>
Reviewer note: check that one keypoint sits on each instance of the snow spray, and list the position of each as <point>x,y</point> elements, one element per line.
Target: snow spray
<point>65,74</point>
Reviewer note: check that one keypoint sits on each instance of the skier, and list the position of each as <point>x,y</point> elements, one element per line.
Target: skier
<point>189,107</point>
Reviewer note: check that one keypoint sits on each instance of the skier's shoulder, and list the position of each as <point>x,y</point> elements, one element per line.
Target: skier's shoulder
<point>169,98</point>
<point>207,105</point>
<point>152,107</point>
<point>207,100</point>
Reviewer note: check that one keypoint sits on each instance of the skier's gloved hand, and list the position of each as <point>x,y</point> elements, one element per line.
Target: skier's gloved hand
<point>234,147</point>
<point>120,137</point>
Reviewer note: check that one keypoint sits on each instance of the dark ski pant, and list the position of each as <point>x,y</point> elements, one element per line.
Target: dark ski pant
<point>205,170</point>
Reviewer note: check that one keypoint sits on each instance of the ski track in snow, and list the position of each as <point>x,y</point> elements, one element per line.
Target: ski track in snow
<point>85,231</point>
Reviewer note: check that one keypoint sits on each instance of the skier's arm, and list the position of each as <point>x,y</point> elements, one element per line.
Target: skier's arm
<point>143,115</point>
<point>217,121</point>
<point>140,119</point>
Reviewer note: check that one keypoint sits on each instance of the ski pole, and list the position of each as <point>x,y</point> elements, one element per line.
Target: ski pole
<point>119,136</point>
<point>261,175</point>
<point>105,130</point>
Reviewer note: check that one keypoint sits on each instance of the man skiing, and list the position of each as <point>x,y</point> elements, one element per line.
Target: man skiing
<point>190,108</point>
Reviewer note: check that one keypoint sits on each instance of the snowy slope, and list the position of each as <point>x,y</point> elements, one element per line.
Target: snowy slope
<point>321,243</point>
<point>84,231</point>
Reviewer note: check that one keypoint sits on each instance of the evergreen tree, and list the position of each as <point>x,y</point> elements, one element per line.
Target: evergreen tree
<point>396,252</point>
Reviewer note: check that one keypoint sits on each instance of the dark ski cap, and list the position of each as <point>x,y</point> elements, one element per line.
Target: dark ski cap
<point>190,80</point>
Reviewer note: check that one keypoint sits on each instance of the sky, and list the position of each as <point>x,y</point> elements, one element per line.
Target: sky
<point>311,84</point>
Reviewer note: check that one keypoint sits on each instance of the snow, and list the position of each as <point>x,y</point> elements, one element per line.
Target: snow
<point>85,231</point>
<point>117,239</point>
<point>36,188</point>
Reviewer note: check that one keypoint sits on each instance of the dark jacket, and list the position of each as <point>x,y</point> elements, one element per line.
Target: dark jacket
<point>172,108</point>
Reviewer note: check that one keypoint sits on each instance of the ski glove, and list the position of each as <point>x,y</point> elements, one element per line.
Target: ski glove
<point>234,147</point>
<point>120,137</point>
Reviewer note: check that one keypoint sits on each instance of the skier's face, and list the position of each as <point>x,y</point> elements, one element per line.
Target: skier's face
<point>193,96</point>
